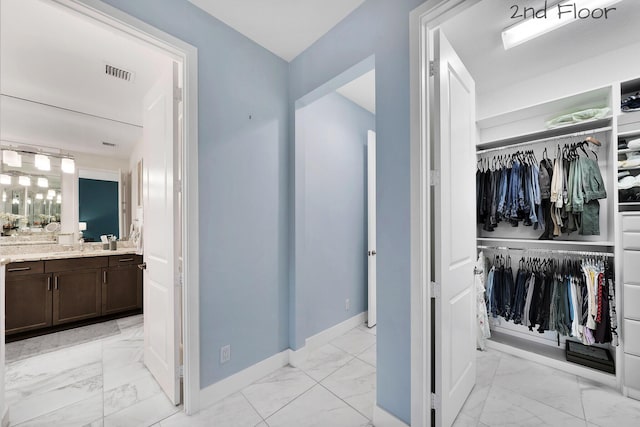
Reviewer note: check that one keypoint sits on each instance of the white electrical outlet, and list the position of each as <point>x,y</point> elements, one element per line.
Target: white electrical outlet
<point>225,353</point>
<point>347,304</point>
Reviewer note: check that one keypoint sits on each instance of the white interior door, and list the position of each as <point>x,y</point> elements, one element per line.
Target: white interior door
<point>454,230</point>
<point>371,226</point>
<point>161,334</point>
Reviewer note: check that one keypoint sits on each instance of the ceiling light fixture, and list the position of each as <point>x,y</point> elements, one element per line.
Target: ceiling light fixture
<point>42,162</point>
<point>39,196</point>
<point>24,180</point>
<point>51,194</point>
<point>5,179</point>
<point>11,158</point>
<point>43,182</point>
<point>555,16</point>
<point>67,165</point>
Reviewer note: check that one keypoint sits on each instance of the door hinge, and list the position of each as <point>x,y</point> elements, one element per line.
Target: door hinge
<point>177,93</point>
<point>435,401</point>
<point>181,371</point>
<point>434,178</point>
<point>435,289</point>
<point>432,68</point>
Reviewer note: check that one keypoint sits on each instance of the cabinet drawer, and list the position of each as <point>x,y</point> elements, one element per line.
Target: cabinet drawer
<point>631,223</point>
<point>632,371</point>
<point>631,240</point>
<point>71,264</point>
<point>632,302</point>
<point>631,267</point>
<point>632,337</point>
<point>126,259</point>
<point>22,268</point>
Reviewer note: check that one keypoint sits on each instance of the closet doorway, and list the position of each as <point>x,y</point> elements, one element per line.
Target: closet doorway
<point>334,208</point>
<point>171,339</point>
<point>520,102</point>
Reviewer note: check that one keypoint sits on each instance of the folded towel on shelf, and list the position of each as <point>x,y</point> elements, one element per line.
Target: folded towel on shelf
<point>634,144</point>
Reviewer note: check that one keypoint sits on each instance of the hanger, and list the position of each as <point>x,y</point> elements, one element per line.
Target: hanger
<point>594,141</point>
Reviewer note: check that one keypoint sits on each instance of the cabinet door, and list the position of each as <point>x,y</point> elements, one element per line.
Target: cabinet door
<point>28,302</point>
<point>76,295</point>
<point>121,289</point>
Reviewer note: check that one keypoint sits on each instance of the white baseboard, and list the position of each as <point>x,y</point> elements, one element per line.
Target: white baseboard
<point>382,418</point>
<point>325,337</point>
<point>236,382</point>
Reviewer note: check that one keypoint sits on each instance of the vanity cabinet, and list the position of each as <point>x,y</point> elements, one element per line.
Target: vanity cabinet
<point>42,294</point>
<point>28,293</point>
<point>122,284</point>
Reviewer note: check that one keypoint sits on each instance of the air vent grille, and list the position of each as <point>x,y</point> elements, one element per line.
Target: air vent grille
<point>108,144</point>
<point>118,73</point>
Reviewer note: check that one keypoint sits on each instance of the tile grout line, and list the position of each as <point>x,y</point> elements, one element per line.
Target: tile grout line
<point>292,400</point>
<point>252,407</point>
<point>345,402</point>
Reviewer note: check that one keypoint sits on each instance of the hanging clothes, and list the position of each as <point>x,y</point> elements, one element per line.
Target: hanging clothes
<point>573,298</point>
<point>483,330</point>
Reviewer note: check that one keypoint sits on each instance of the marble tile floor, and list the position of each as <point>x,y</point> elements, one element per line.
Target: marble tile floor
<point>103,383</point>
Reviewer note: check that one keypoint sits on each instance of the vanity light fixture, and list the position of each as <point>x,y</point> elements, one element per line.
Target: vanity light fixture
<point>59,199</point>
<point>5,179</point>
<point>557,15</point>
<point>51,194</point>
<point>43,182</point>
<point>28,200</point>
<point>39,196</point>
<point>24,180</point>
<point>11,158</point>
<point>67,165</point>
<point>42,162</point>
<point>15,201</point>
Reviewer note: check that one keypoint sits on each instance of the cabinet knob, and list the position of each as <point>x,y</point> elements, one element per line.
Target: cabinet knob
<point>142,266</point>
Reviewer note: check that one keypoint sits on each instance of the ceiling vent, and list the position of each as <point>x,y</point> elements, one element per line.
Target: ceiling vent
<point>118,73</point>
<point>108,144</point>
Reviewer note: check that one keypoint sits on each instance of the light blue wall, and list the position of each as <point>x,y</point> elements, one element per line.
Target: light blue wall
<point>243,186</point>
<point>380,28</point>
<point>331,214</point>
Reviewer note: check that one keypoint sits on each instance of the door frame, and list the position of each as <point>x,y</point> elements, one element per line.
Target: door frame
<point>423,20</point>
<point>187,56</point>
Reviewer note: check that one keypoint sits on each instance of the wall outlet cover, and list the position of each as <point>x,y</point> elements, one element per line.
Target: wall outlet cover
<point>225,353</point>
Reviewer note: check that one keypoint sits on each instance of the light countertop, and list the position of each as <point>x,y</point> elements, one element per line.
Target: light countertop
<point>86,253</point>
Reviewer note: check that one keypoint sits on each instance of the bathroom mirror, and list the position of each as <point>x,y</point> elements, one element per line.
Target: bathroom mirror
<point>33,197</point>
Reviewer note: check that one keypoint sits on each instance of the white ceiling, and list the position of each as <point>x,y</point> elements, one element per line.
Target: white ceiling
<point>362,91</point>
<point>52,56</point>
<point>476,37</point>
<point>285,27</point>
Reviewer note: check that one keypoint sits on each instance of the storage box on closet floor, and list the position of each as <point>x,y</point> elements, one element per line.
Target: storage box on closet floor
<point>558,212</point>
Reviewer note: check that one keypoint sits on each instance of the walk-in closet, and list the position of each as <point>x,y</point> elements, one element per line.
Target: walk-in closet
<point>553,127</point>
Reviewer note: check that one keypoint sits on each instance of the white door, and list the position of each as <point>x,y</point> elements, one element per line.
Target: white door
<point>371,226</point>
<point>161,334</point>
<point>454,230</point>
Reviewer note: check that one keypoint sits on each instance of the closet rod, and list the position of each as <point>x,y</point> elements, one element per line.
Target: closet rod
<point>554,251</point>
<point>551,138</point>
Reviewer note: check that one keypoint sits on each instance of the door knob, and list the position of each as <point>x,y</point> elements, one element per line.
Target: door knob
<point>371,253</point>
<point>142,266</point>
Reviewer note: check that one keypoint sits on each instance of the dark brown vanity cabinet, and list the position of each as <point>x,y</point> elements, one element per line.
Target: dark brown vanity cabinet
<point>122,284</point>
<point>41,294</point>
<point>28,294</point>
<point>76,288</point>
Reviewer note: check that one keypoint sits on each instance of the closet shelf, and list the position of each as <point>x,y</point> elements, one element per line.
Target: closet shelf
<point>629,169</point>
<point>629,203</point>
<point>629,133</point>
<point>576,129</point>
<point>629,150</point>
<point>550,243</point>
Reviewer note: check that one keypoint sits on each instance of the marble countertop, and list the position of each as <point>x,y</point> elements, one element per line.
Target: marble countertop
<point>86,253</point>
